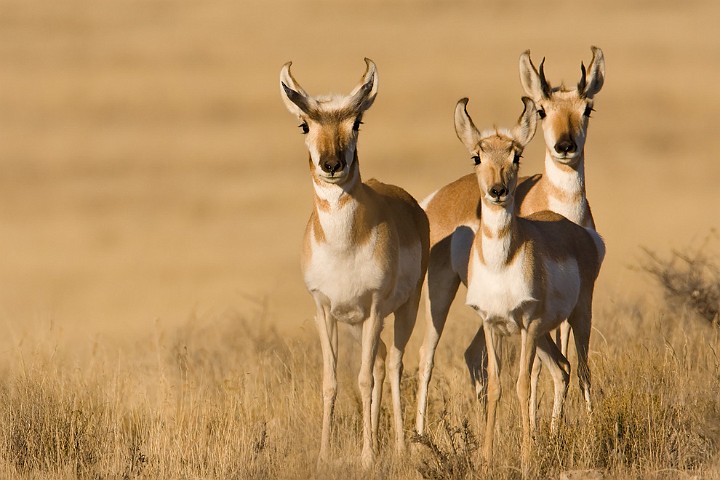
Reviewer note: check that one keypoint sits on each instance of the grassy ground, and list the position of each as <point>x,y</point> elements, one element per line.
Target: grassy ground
<point>231,397</point>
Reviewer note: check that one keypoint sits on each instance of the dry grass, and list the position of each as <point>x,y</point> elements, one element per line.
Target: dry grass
<point>148,169</point>
<point>230,397</point>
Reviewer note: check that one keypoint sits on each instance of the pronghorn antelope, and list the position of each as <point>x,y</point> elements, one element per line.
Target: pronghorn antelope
<point>525,275</point>
<point>364,255</point>
<point>454,210</point>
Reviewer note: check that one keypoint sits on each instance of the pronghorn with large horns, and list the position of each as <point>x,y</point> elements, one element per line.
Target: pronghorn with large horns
<point>364,255</point>
<point>525,275</point>
<point>454,210</point>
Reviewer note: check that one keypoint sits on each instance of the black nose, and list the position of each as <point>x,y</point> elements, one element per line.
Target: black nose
<point>331,166</point>
<point>565,145</point>
<point>498,191</point>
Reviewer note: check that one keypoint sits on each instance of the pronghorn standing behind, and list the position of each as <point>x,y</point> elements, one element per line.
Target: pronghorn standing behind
<point>364,254</point>
<point>454,210</point>
<point>525,275</point>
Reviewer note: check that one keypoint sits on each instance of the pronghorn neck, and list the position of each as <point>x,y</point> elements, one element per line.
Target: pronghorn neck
<point>567,188</point>
<point>569,179</point>
<point>497,227</point>
<point>332,196</point>
<point>339,208</point>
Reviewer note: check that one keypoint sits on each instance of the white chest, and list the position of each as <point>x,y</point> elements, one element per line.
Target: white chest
<point>344,278</point>
<point>503,297</point>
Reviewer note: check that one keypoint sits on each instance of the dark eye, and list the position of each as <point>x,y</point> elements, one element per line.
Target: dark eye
<point>516,159</point>
<point>356,125</point>
<point>588,111</point>
<point>541,113</point>
<point>304,127</point>
<point>476,159</point>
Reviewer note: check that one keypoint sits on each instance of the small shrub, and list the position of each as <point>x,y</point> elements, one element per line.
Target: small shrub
<point>450,457</point>
<point>689,279</point>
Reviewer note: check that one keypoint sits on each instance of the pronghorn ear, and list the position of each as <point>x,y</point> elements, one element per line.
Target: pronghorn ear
<point>524,131</point>
<point>363,95</point>
<point>533,82</point>
<point>295,98</point>
<point>465,128</point>
<point>595,75</point>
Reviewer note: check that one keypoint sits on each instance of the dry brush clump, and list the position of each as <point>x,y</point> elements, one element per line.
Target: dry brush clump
<point>689,278</point>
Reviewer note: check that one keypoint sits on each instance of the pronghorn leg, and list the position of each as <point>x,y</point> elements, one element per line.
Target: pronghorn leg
<point>534,378</point>
<point>405,318</point>
<point>442,285</point>
<point>563,337</point>
<point>371,328</point>
<point>548,353</point>
<point>377,390</point>
<point>527,357</point>
<point>476,361</point>
<point>581,321</point>
<point>327,329</point>
<point>494,391</point>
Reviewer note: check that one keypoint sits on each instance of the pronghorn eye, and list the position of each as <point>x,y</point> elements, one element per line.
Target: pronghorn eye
<point>305,127</point>
<point>356,125</point>
<point>516,159</point>
<point>541,113</point>
<point>476,159</point>
<point>588,111</point>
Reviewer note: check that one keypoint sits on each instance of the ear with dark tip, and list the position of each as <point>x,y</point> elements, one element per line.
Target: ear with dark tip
<point>524,131</point>
<point>533,82</point>
<point>364,93</point>
<point>593,81</point>
<point>297,101</point>
<point>464,126</point>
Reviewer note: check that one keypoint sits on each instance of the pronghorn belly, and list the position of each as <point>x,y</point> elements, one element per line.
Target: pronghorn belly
<point>460,245</point>
<point>503,297</point>
<point>562,279</point>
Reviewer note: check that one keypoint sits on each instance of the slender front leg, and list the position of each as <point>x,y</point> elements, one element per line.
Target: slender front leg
<point>534,377</point>
<point>494,391</point>
<point>370,338</point>
<point>327,329</point>
<point>527,357</point>
<point>377,390</point>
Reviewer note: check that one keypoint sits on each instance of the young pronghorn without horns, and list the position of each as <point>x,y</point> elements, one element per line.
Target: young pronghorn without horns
<point>454,211</point>
<point>364,255</point>
<point>525,275</point>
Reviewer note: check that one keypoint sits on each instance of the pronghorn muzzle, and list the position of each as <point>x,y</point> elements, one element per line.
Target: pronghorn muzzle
<point>332,165</point>
<point>498,192</point>
<point>565,145</point>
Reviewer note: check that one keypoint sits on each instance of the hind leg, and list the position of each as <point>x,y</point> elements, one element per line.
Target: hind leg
<point>581,322</point>
<point>442,285</point>
<point>405,317</point>
<point>476,361</point>
<point>549,354</point>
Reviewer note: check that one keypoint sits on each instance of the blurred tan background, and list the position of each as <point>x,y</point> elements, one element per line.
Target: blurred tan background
<point>149,172</point>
